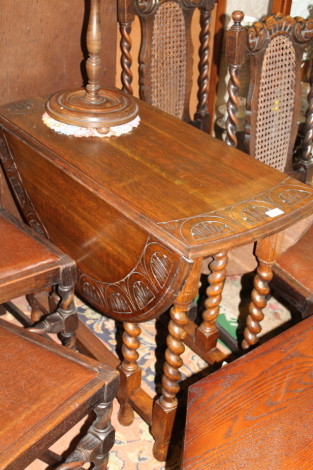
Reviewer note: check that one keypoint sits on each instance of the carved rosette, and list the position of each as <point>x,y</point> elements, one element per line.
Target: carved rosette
<point>262,32</point>
<point>138,294</point>
<point>231,220</point>
<point>16,184</point>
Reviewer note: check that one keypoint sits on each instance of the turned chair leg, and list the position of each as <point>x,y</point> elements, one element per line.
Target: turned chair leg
<point>95,446</point>
<point>130,372</point>
<point>38,309</point>
<point>65,320</point>
<point>164,410</point>
<point>267,252</point>
<point>207,332</point>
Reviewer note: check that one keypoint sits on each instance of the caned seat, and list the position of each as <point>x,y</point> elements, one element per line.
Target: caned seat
<point>45,390</point>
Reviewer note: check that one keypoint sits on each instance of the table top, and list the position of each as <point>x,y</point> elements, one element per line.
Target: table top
<point>186,187</point>
<point>151,201</point>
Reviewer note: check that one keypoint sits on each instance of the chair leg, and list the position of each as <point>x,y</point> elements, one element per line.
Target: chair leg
<point>95,446</point>
<point>64,321</point>
<point>68,313</point>
<point>267,252</point>
<point>36,301</point>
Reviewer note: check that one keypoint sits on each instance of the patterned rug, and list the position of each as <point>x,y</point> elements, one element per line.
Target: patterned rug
<point>133,446</point>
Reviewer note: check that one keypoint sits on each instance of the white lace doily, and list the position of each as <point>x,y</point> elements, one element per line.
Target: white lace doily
<point>67,129</point>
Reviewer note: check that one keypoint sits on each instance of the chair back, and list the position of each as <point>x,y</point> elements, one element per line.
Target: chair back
<point>165,60</point>
<point>275,49</point>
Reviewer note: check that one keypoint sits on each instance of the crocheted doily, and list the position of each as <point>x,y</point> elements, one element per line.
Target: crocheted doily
<point>67,129</point>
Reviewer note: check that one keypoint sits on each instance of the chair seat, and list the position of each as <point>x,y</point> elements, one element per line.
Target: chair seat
<point>256,413</point>
<point>14,257</point>
<point>28,262</point>
<point>293,274</point>
<point>45,390</point>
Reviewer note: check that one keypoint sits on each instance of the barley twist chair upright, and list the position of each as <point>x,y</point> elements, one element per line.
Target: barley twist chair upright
<point>165,62</point>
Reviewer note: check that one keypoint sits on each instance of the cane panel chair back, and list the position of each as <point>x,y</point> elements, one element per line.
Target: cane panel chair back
<point>275,49</point>
<point>166,51</point>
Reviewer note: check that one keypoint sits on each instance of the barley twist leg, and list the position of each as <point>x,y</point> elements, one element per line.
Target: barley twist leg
<point>207,333</point>
<point>130,372</point>
<point>165,407</point>
<point>257,304</point>
<point>267,251</point>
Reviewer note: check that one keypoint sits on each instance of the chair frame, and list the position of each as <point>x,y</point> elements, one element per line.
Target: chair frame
<point>242,43</point>
<point>127,9</point>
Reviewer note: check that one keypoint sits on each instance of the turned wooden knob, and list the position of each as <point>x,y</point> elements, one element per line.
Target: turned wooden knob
<point>237,17</point>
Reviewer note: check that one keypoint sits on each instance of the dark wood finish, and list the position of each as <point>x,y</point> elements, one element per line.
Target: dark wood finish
<point>165,61</point>
<point>93,107</point>
<point>293,275</point>
<point>29,263</point>
<point>259,44</point>
<point>284,6</point>
<point>256,412</point>
<point>217,54</point>
<point>52,389</point>
<point>277,40</point>
<point>43,45</point>
<point>139,223</point>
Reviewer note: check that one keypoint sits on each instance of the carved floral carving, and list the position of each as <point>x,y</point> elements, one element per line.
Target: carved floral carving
<point>253,212</point>
<point>18,189</point>
<point>261,32</point>
<point>148,7</point>
<point>140,290</point>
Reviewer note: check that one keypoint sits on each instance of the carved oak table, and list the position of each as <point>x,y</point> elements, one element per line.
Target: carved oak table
<point>138,213</point>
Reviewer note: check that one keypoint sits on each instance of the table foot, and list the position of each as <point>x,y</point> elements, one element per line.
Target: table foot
<point>130,372</point>
<point>161,430</point>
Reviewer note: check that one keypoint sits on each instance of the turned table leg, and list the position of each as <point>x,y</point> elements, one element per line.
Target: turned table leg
<point>130,372</point>
<point>165,407</point>
<point>267,251</point>
<point>207,333</point>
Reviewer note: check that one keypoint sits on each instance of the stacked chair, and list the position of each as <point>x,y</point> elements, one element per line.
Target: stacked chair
<point>46,388</point>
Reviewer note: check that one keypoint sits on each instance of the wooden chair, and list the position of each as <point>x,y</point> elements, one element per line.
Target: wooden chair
<point>255,413</point>
<point>29,263</point>
<point>50,387</point>
<point>45,390</point>
<point>165,71</point>
<point>275,49</point>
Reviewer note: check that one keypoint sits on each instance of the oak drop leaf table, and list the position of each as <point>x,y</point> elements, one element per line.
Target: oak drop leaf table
<point>138,213</point>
